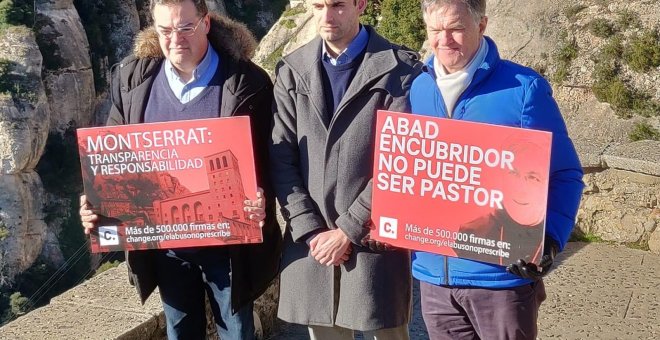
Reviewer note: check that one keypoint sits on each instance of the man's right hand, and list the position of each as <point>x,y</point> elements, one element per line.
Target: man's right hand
<point>330,247</point>
<point>88,216</point>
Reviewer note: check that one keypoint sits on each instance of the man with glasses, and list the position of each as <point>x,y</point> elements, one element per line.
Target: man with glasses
<point>194,65</point>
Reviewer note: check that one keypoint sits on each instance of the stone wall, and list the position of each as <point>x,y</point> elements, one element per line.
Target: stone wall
<point>621,200</point>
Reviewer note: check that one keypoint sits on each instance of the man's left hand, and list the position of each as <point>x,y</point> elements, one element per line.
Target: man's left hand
<point>256,208</point>
<point>330,247</point>
<point>530,270</point>
<point>374,245</point>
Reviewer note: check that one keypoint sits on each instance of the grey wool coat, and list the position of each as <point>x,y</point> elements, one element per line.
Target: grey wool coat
<point>322,174</point>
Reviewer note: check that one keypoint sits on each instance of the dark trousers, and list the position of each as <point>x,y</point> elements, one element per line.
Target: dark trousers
<point>475,313</point>
<point>184,277</point>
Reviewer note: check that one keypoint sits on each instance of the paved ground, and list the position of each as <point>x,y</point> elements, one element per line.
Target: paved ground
<point>598,291</point>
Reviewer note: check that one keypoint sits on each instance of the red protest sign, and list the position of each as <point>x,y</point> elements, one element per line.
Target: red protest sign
<point>458,188</point>
<point>170,185</point>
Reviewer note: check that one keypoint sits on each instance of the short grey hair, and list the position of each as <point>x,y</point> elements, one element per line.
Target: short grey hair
<point>476,8</point>
<point>200,5</point>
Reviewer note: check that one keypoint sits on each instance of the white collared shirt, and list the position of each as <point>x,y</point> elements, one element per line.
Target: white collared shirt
<point>202,75</point>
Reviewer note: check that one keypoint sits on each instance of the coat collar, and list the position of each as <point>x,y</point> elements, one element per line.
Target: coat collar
<point>492,59</point>
<point>306,64</point>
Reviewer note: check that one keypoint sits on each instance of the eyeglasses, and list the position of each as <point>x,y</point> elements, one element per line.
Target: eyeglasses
<point>187,31</point>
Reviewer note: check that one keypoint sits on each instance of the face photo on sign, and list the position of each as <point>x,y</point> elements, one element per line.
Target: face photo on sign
<point>526,184</point>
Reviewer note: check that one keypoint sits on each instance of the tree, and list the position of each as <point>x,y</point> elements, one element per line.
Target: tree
<point>402,22</point>
<point>371,13</point>
<point>16,12</point>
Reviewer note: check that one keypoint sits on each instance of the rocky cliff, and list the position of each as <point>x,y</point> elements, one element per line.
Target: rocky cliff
<point>44,99</point>
<point>24,117</point>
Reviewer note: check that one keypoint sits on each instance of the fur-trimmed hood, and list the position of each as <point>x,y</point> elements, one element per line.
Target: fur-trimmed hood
<point>226,36</point>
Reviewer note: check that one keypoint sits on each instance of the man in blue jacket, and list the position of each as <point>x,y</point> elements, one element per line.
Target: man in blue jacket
<point>466,79</point>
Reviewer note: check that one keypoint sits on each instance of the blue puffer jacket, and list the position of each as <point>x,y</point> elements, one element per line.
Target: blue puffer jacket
<point>503,93</point>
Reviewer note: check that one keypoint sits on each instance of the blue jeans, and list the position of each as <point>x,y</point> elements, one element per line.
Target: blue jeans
<point>184,276</point>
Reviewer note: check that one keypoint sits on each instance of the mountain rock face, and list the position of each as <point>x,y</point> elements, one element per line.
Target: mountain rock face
<point>68,75</point>
<point>24,117</point>
<point>294,29</point>
<point>126,24</point>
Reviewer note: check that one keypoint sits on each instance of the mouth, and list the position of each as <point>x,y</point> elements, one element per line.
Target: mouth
<point>520,203</point>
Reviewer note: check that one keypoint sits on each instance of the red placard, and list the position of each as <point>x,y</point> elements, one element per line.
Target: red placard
<point>170,185</point>
<point>459,188</point>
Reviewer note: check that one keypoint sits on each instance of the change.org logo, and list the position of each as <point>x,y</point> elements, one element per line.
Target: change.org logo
<point>388,227</point>
<point>108,236</point>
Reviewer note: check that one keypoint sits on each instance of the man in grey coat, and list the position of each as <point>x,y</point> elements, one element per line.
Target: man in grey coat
<point>333,279</point>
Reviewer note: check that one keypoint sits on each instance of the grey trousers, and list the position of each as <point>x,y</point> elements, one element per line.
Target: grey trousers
<point>475,313</point>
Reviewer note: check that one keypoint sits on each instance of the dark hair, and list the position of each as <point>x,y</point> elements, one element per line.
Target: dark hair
<point>476,8</point>
<point>200,5</point>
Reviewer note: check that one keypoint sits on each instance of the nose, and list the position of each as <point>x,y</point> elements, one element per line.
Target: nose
<point>326,15</point>
<point>176,37</point>
<point>445,38</point>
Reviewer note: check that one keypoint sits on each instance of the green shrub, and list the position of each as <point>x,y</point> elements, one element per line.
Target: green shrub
<point>402,23</point>
<point>628,19</point>
<point>616,93</point>
<point>4,231</point>
<point>578,236</point>
<point>15,85</point>
<point>613,49</point>
<point>644,131</point>
<point>106,265</point>
<point>601,28</point>
<point>271,61</point>
<point>16,12</point>
<point>564,57</point>
<point>572,11</point>
<point>371,13</point>
<point>288,23</point>
<point>5,77</point>
<point>18,303</point>
<point>608,87</point>
<point>294,11</point>
<point>643,51</point>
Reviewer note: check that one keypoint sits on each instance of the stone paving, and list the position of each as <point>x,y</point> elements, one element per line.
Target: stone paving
<point>598,291</point>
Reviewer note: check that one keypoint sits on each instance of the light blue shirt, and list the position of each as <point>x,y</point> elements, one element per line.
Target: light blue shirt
<point>351,52</point>
<point>201,77</point>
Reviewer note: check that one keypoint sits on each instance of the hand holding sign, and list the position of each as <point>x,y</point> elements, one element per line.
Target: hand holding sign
<point>88,216</point>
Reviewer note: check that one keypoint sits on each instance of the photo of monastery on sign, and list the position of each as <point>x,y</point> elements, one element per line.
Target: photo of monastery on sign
<point>170,185</point>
